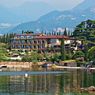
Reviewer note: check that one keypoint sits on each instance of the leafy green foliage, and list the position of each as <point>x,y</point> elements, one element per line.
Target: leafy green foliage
<point>33,57</point>
<point>85,29</point>
<point>3,53</point>
<point>91,53</point>
<point>85,32</point>
<point>6,38</point>
<point>55,58</point>
<point>78,54</point>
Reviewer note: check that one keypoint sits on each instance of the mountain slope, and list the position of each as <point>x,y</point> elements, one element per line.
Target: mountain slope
<point>86,4</point>
<point>31,10</point>
<point>55,19</point>
<point>24,13</point>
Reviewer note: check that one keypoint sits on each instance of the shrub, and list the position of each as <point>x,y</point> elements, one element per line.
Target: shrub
<point>78,54</point>
<point>91,53</point>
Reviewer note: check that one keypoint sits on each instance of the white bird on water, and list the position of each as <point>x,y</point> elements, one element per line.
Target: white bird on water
<point>26,75</point>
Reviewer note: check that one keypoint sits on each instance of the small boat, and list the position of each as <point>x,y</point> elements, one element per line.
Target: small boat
<point>3,66</point>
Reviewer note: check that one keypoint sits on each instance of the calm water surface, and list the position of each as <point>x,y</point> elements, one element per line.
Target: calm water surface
<point>66,82</point>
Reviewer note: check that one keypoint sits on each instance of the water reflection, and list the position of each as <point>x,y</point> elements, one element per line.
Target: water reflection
<point>49,84</point>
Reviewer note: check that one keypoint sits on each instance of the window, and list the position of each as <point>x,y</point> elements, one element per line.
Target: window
<point>34,47</point>
<point>30,46</point>
<point>43,42</point>
<point>35,42</point>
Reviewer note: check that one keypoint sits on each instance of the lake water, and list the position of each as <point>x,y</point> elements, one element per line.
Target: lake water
<point>64,82</point>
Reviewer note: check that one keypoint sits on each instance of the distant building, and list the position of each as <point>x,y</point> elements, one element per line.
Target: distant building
<point>39,42</point>
<point>44,43</point>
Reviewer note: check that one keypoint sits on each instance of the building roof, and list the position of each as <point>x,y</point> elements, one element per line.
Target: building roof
<point>43,36</point>
<point>38,34</point>
<point>52,37</point>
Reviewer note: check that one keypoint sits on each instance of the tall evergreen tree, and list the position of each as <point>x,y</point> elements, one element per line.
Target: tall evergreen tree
<point>65,32</point>
<point>62,50</point>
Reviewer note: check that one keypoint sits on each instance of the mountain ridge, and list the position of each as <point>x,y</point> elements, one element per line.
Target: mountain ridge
<point>57,19</point>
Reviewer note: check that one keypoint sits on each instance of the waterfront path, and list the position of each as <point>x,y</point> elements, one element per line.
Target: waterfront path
<point>64,67</point>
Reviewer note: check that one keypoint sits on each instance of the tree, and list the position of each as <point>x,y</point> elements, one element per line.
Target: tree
<point>78,54</point>
<point>55,58</point>
<point>33,57</point>
<point>6,38</point>
<point>91,53</point>
<point>3,53</point>
<point>85,32</point>
<point>62,50</point>
<point>65,32</point>
<point>85,29</point>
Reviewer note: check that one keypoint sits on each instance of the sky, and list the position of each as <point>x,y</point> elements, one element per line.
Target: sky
<point>57,4</point>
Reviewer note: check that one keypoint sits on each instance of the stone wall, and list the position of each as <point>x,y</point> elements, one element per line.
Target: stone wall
<point>19,64</point>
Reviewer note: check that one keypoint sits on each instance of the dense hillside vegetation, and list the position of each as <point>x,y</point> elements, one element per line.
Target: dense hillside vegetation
<point>85,30</point>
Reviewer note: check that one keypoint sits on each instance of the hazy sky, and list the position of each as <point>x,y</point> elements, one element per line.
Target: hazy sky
<point>57,4</point>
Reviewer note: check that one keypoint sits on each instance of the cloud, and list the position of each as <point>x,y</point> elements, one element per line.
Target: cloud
<point>5,25</point>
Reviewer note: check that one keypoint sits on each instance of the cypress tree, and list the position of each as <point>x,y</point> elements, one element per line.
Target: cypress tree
<point>65,32</point>
<point>62,50</point>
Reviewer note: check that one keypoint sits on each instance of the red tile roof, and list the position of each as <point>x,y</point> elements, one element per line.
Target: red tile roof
<point>40,36</point>
<point>52,37</point>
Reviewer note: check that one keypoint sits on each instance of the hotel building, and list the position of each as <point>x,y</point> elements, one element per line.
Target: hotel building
<point>38,42</point>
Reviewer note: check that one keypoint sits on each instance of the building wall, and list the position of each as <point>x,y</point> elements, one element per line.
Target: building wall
<point>27,42</point>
